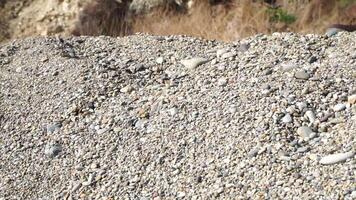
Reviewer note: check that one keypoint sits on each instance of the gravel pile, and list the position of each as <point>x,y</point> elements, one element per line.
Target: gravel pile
<point>152,117</point>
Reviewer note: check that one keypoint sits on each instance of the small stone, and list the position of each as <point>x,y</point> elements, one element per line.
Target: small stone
<point>55,73</point>
<point>351,99</point>
<point>53,127</point>
<point>310,115</point>
<point>267,72</point>
<point>339,107</point>
<point>312,59</point>
<point>233,109</point>
<point>173,111</point>
<point>53,150</point>
<point>301,106</point>
<point>336,158</point>
<point>303,149</point>
<point>126,89</point>
<point>193,62</point>
<point>302,75</point>
<point>244,47</point>
<point>332,31</point>
<point>313,157</point>
<point>288,67</point>
<point>159,60</point>
<point>253,152</point>
<point>304,132</point>
<point>353,194</point>
<point>287,118</point>
<point>221,52</point>
<point>181,194</point>
<point>228,55</point>
<point>222,81</point>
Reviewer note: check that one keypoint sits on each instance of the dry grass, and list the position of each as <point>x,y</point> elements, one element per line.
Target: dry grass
<point>243,18</point>
<point>227,20</point>
<point>103,17</point>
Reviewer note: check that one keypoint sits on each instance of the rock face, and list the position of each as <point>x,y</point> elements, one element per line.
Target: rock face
<point>100,117</point>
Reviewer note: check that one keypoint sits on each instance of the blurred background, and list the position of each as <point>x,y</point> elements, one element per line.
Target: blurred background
<point>225,20</point>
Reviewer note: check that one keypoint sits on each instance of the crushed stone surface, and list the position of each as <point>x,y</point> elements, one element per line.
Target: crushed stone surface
<point>123,118</point>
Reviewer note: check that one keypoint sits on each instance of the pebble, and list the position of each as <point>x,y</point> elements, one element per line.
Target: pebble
<point>253,152</point>
<point>310,115</point>
<point>53,150</point>
<point>303,149</point>
<point>353,194</point>
<point>181,194</point>
<point>159,60</point>
<point>287,118</point>
<point>126,89</point>
<point>173,111</point>
<point>288,67</point>
<point>302,75</point>
<point>221,52</point>
<point>228,55</point>
<point>339,107</point>
<point>332,31</point>
<point>305,132</point>
<point>351,99</point>
<point>336,158</point>
<point>301,106</point>
<point>53,127</point>
<point>193,62</point>
<point>222,82</point>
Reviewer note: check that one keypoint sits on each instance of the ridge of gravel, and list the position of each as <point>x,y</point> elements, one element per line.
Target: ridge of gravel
<point>176,117</point>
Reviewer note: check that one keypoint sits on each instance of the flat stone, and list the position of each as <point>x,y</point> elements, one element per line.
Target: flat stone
<point>339,107</point>
<point>336,158</point>
<point>304,132</point>
<point>228,55</point>
<point>193,62</point>
<point>288,67</point>
<point>302,75</point>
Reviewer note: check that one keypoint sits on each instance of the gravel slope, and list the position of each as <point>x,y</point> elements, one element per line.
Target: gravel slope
<point>150,117</point>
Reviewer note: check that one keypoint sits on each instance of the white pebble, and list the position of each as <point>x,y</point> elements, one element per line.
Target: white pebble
<point>339,107</point>
<point>336,158</point>
<point>193,62</point>
<point>287,118</point>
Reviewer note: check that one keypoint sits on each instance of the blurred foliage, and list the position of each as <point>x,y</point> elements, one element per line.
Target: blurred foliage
<point>345,3</point>
<point>280,15</point>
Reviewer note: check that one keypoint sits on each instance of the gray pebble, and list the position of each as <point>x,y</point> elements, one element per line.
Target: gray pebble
<point>304,132</point>
<point>332,31</point>
<point>53,150</point>
<point>302,75</point>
